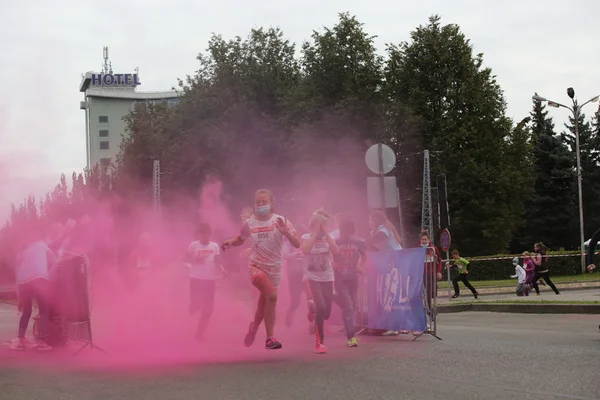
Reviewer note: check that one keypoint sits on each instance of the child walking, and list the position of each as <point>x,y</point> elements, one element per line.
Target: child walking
<point>463,275</point>
<point>521,275</point>
<point>349,262</point>
<point>318,246</point>
<point>204,258</point>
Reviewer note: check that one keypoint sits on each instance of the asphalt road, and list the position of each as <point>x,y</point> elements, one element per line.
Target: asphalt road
<point>482,356</point>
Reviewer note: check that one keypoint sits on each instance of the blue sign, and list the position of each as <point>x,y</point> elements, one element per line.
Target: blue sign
<point>395,294</point>
<point>115,80</point>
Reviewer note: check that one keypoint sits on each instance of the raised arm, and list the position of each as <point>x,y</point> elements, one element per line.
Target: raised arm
<point>239,239</point>
<point>333,247</point>
<point>306,243</point>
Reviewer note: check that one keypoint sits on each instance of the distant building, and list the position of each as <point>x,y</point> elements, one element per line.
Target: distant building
<point>108,98</point>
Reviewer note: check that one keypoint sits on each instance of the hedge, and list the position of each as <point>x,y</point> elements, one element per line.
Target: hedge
<point>481,268</point>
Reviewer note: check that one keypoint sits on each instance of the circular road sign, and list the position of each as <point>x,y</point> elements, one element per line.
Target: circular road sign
<point>372,158</point>
<point>445,240</point>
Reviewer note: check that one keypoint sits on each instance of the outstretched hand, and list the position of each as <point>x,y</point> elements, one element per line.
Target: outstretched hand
<point>226,244</point>
<point>282,225</point>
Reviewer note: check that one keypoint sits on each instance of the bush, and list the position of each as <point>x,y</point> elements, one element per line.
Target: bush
<point>481,268</point>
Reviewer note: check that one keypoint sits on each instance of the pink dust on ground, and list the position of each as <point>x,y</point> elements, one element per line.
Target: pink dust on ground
<point>151,332</point>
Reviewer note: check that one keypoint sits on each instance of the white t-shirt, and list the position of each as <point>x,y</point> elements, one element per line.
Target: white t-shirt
<point>267,243</point>
<point>520,274</point>
<point>318,263</point>
<point>33,262</point>
<point>203,261</point>
<point>391,243</point>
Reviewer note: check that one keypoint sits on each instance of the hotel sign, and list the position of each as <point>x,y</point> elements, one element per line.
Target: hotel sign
<point>115,80</point>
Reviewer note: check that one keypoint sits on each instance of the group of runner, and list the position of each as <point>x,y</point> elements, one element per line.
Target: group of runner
<point>316,260</point>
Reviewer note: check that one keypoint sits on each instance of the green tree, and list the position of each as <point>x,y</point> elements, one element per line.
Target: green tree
<point>521,175</point>
<point>589,144</point>
<point>461,110</point>
<point>341,69</point>
<point>551,210</point>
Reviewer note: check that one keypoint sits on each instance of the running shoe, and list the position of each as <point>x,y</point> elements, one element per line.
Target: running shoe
<point>42,346</point>
<point>312,310</point>
<point>320,348</point>
<point>456,295</point>
<point>403,332</point>
<point>476,295</point>
<point>21,345</point>
<point>250,336</point>
<point>391,332</point>
<point>272,344</point>
<point>352,342</point>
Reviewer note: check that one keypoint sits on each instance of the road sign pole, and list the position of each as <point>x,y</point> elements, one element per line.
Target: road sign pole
<point>448,273</point>
<point>381,175</point>
<point>445,242</point>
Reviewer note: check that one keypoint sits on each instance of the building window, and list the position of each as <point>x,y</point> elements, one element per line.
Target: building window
<point>173,102</point>
<point>104,145</point>
<point>105,162</point>
<point>103,132</point>
<point>103,119</point>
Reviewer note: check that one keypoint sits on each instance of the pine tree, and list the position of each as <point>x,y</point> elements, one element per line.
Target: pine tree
<point>551,212</point>
<point>589,145</point>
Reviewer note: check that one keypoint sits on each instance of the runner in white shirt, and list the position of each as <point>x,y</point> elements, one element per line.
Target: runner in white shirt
<point>267,231</point>
<point>318,271</point>
<point>205,269</point>
<point>521,275</point>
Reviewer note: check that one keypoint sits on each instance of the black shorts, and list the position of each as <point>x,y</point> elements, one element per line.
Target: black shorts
<point>202,294</point>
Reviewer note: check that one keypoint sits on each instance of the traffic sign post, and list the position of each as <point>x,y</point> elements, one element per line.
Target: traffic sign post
<point>445,241</point>
<point>380,159</point>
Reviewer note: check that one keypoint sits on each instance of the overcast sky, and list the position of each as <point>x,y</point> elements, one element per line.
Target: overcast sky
<point>531,45</point>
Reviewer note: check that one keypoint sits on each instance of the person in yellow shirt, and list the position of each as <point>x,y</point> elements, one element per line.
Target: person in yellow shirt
<point>463,275</point>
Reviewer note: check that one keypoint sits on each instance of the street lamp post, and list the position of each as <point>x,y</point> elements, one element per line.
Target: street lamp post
<point>575,110</point>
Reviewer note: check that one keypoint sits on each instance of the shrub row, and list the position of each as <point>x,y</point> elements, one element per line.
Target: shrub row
<point>481,268</point>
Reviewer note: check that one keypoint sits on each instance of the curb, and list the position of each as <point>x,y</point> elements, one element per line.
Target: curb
<point>524,308</point>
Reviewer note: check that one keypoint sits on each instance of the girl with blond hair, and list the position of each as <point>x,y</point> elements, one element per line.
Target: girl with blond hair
<point>319,246</point>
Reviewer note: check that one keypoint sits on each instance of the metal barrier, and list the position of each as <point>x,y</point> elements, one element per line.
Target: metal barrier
<point>429,296</point>
<point>430,289</point>
<point>362,308</point>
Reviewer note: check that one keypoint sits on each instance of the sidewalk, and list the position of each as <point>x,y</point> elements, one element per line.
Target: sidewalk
<point>492,290</point>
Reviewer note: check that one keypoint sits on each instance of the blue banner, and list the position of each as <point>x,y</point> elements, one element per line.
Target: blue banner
<point>395,295</point>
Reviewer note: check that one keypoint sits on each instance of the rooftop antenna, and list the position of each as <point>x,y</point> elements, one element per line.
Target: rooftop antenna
<point>107,67</point>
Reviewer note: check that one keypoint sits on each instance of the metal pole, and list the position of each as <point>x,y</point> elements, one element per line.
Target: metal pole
<point>579,188</point>
<point>400,213</point>
<point>448,273</point>
<point>381,176</point>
